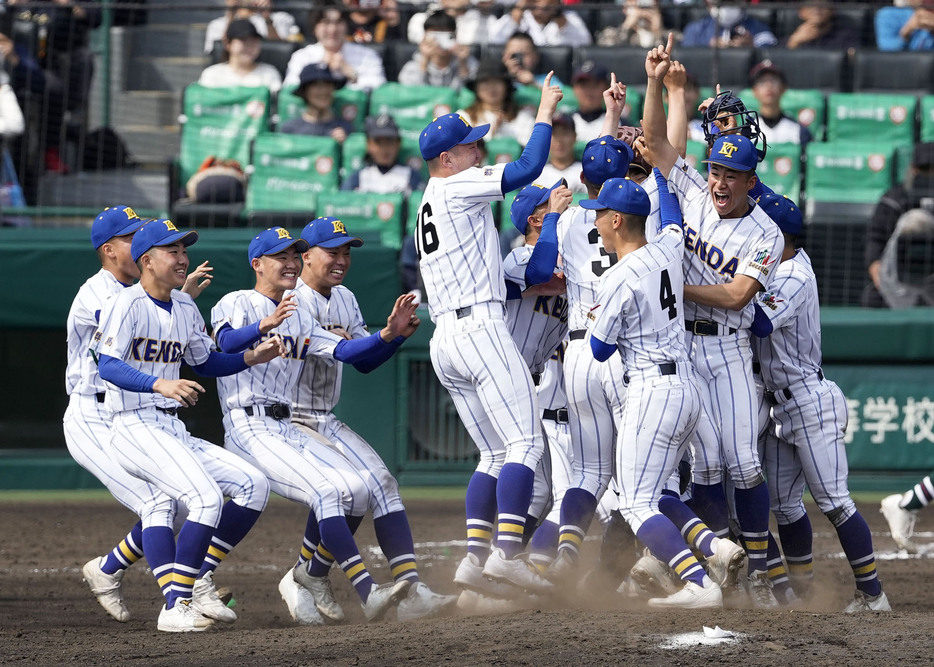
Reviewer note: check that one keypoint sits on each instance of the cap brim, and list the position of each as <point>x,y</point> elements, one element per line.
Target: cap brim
<point>547,193</point>
<point>187,239</point>
<point>300,244</point>
<point>592,204</point>
<point>727,166</point>
<point>338,242</point>
<point>476,134</point>
<point>132,227</point>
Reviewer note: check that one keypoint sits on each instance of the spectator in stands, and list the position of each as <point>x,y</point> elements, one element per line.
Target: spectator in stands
<point>496,105</point>
<point>589,81</point>
<point>242,44</point>
<point>374,21</point>
<point>271,25</point>
<point>439,61</point>
<point>316,86</point>
<point>523,61</point>
<point>562,160</point>
<point>728,25</point>
<point>473,22</point>
<point>906,28</point>
<point>546,22</point>
<point>642,26</point>
<point>768,85</point>
<point>383,172</point>
<point>360,65</point>
<point>819,29</point>
<point>898,200</point>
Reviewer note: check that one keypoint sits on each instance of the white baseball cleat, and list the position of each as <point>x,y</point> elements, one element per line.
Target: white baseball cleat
<point>653,576</point>
<point>300,602</point>
<point>691,596</point>
<point>862,602</point>
<point>474,603</point>
<point>421,602</point>
<point>207,602</point>
<point>469,575</point>
<point>517,571</point>
<point>384,597</point>
<point>321,591</point>
<point>183,617</point>
<point>106,587</point>
<point>563,569</point>
<point>760,590</point>
<point>724,566</point>
<point>901,522</point>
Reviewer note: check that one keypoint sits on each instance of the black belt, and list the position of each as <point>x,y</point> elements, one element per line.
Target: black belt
<point>536,379</point>
<point>560,415</point>
<point>100,396</point>
<point>168,411</point>
<point>704,328</point>
<point>578,334</point>
<point>757,368</point>
<point>278,411</point>
<point>667,368</point>
<point>770,396</point>
<point>463,312</point>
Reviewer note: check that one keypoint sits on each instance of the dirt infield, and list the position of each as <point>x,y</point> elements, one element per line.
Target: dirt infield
<point>48,616</point>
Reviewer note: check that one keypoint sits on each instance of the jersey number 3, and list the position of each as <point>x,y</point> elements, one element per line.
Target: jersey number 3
<point>426,234</point>
<point>666,296</point>
<point>598,267</point>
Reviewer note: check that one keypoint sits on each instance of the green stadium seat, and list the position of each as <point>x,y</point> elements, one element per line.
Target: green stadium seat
<point>415,200</point>
<point>349,104</point>
<point>781,170</point>
<point>844,179</point>
<point>884,118</point>
<point>353,154</point>
<point>696,151</point>
<point>370,216</point>
<point>808,107</point>
<point>502,149</point>
<point>410,154</point>
<point>412,107</point>
<point>927,118</point>
<point>220,122</point>
<point>290,170</point>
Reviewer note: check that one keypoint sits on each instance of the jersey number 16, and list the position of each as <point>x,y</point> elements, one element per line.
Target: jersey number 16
<point>426,234</point>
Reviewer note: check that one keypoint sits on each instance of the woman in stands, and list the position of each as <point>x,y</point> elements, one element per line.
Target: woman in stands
<point>495,105</point>
<point>242,43</point>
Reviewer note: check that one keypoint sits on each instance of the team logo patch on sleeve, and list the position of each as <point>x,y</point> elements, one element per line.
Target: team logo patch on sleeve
<point>771,300</point>
<point>762,261</point>
<point>488,171</point>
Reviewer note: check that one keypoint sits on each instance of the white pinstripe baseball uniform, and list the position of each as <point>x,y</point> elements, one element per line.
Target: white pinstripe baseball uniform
<point>716,250</point>
<point>148,439</point>
<point>86,422</point>
<point>555,422</point>
<point>472,352</point>
<point>662,400</point>
<point>595,391</point>
<point>318,390</point>
<point>298,466</point>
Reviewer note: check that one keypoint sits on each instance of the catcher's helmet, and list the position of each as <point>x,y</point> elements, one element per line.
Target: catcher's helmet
<point>727,105</point>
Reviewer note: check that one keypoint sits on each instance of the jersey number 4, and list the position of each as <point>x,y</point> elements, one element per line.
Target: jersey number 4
<point>426,234</point>
<point>666,296</point>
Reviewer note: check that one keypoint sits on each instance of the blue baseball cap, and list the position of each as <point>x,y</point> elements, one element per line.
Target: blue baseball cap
<point>783,211</point>
<point>620,194</point>
<point>273,240</point>
<point>734,151</point>
<point>114,221</point>
<point>446,132</point>
<point>604,158</point>
<point>328,232</point>
<point>158,233</point>
<point>527,200</point>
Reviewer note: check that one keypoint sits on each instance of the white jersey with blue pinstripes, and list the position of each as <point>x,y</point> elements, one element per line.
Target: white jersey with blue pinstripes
<point>537,323</point>
<point>268,384</point>
<point>585,260</point>
<point>717,249</point>
<point>551,393</point>
<point>793,351</point>
<point>81,376</point>
<point>640,302</point>
<point>150,339</point>
<point>319,386</point>
<point>457,242</point>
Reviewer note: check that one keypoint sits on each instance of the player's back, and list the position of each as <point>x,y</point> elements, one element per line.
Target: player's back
<point>793,350</point>
<point>456,240</point>
<point>585,260</point>
<point>81,374</point>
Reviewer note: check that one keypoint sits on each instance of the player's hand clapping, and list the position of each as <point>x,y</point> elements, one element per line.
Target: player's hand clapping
<point>184,391</point>
<point>266,351</point>
<point>658,60</point>
<point>402,321</point>
<point>282,312</point>
<point>198,280</point>
<point>551,95</point>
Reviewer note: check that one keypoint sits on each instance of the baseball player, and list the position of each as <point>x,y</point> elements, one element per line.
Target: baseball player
<point>86,424</point>
<point>145,332</point>
<point>472,353</point>
<point>257,408</point>
<point>809,414</point>
<point>320,291</point>
<point>901,511</point>
<point>731,249</point>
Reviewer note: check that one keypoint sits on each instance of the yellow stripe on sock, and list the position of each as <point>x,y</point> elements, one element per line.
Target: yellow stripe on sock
<point>762,545</point>
<point>306,554</point>
<point>515,528</point>
<point>865,569</point>
<point>183,580</point>
<point>694,532</point>
<point>800,568</point>
<point>164,580</point>
<point>127,552</point>
<point>217,553</point>
<point>404,567</point>
<point>355,570</point>
<point>690,561</point>
<point>776,571</point>
<point>573,538</point>
<point>324,553</point>
<point>479,533</point>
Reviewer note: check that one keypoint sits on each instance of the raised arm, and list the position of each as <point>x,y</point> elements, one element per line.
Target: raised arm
<point>614,98</point>
<point>675,80</point>
<point>657,63</point>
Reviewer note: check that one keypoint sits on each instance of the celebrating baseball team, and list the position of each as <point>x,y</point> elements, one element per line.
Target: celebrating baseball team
<point>649,357</point>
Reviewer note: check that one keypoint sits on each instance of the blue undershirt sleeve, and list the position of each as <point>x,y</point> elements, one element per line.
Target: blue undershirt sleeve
<point>761,324</point>
<point>668,207</point>
<point>118,372</point>
<point>219,364</point>
<point>534,156</point>
<point>365,354</point>
<point>601,351</point>
<point>380,356</point>
<point>541,266</point>
<point>229,339</point>
<point>513,291</point>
